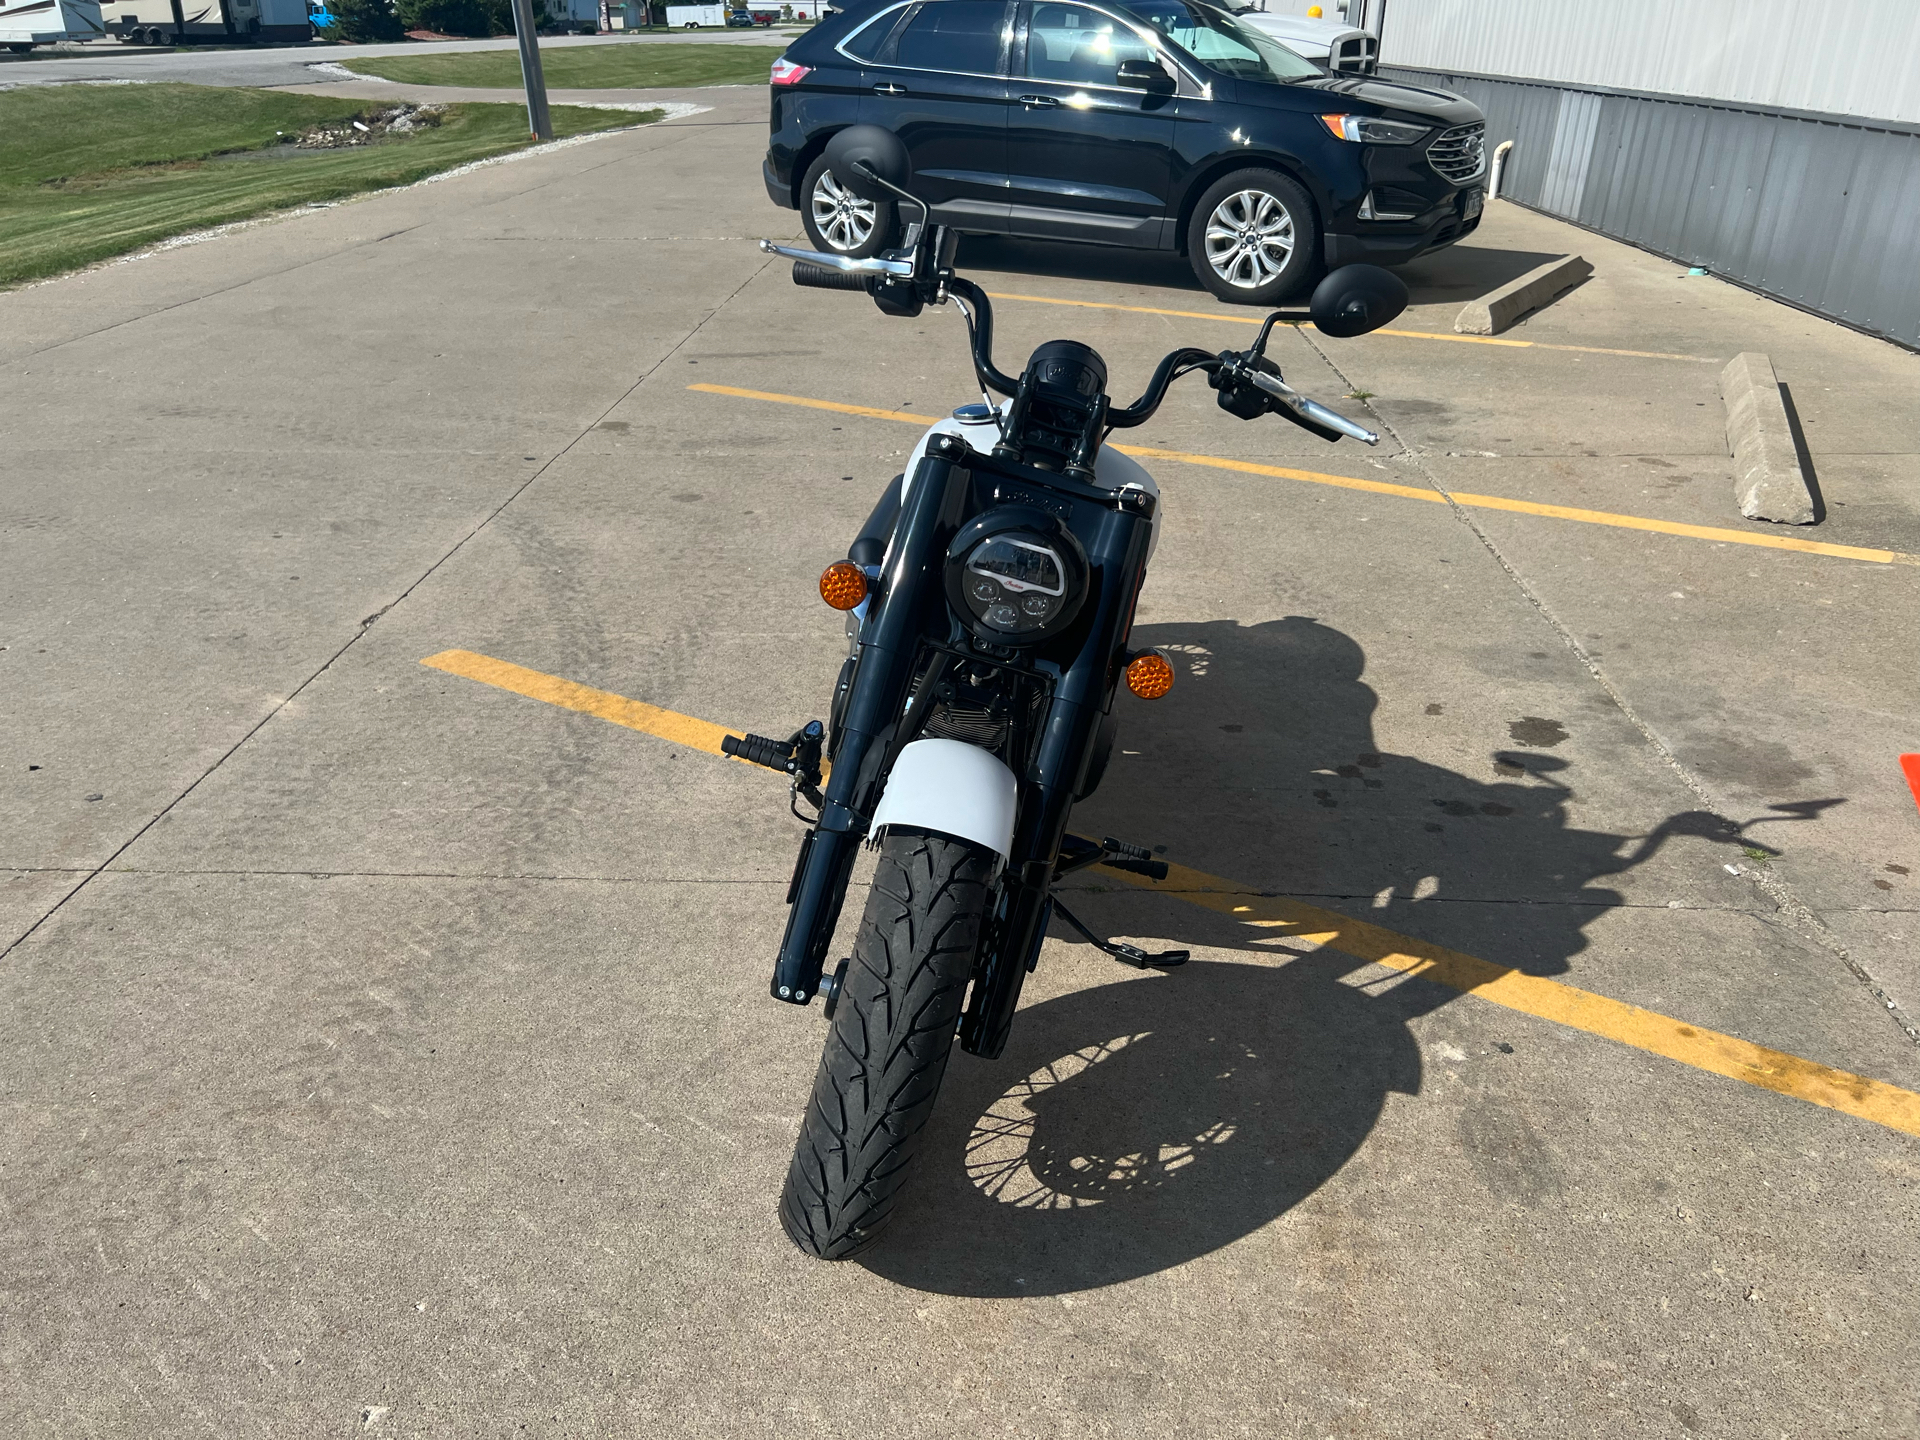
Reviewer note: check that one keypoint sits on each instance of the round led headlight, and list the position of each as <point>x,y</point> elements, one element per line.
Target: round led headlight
<point>1016,576</point>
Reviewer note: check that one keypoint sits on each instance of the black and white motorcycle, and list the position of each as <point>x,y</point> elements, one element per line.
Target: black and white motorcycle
<point>990,598</point>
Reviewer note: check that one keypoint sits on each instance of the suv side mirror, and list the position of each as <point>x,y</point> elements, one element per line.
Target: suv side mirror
<point>878,150</point>
<point>1143,75</point>
<point>1355,299</point>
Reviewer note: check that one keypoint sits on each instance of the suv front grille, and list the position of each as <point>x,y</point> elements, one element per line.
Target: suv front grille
<point>1460,154</point>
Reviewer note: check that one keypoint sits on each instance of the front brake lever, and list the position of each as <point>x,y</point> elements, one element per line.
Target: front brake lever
<point>1310,413</point>
<point>873,266</point>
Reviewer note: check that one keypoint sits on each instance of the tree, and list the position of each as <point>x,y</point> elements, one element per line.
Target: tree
<point>446,17</point>
<point>479,18</point>
<point>363,22</point>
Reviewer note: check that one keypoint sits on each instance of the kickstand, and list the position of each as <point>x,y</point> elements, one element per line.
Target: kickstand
<point>1127,954</point>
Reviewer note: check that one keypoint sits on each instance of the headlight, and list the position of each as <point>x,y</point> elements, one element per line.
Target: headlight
<point>1015,576</point>
<point>1365,130</point>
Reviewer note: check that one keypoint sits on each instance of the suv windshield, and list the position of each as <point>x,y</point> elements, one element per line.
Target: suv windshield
<point>1222,43</point>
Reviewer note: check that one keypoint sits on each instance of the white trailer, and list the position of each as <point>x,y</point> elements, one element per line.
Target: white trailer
<point>183,22</point>
<point>27,23</point>
<point>692,16</point>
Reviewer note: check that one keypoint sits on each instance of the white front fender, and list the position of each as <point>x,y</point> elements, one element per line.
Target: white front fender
<point>953,788</point>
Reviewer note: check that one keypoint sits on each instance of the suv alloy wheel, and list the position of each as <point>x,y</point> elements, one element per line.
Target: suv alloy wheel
<point>1253,239</point>
<point>838,221</point>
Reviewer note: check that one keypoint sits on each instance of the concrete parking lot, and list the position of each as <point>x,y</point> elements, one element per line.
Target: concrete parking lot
<point>386,1050</point>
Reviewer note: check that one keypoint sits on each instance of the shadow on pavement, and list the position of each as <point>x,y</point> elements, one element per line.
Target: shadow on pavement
<point>1466,272</point>
<point>1142,1123</point>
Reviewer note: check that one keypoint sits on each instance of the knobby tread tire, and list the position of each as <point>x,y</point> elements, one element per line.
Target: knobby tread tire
<point>888,1044</point>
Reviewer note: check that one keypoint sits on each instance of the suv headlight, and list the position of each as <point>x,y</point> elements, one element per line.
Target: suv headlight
<point>1366,130</point>
<point>1016,576</point>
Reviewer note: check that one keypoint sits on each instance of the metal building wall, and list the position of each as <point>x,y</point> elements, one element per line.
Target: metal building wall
<point>1820,209</point>
<point>1859,57</point>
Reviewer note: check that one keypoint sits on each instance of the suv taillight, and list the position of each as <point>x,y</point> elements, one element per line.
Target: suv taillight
<point>785,72</point>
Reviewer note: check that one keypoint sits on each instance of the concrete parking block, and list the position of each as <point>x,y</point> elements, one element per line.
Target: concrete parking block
<point>1501,309</point>
<point>1768,483</point>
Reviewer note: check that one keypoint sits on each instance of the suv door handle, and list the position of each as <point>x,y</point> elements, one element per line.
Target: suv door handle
<point>887,87</point>
<point>1039,102</point>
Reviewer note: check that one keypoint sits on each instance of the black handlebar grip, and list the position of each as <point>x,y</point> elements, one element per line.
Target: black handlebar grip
<point>818,277</point>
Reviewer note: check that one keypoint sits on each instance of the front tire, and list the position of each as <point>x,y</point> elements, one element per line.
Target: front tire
<point>1253,238</point>
<point>839,222</point>
<point>887,1048</point>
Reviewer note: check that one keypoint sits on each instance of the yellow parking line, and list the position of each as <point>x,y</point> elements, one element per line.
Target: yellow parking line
<point>1577,1009</point>
<point>670,725</point>
<point>1708,1050</point>
<point>1403,492</point>
<point>1534,507</point>
<point>1403,334</point>
<point>834,405</point>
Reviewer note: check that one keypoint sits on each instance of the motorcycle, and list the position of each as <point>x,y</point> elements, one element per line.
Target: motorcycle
<point>989,601</point>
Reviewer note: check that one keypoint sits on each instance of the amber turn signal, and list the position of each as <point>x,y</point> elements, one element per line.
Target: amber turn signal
<point>1150,675</point>
<point>843,585</point>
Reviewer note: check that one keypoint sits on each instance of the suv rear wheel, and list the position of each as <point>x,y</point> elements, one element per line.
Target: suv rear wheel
<point>840,222</point>
<point>1253,239</point>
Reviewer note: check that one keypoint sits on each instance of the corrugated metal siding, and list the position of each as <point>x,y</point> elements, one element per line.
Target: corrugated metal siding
<point>1861,57</point>
<point>1821,213</point>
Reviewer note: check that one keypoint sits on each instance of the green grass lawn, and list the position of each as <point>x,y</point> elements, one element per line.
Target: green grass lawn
<point>90,171</point>
<point>630,64</point>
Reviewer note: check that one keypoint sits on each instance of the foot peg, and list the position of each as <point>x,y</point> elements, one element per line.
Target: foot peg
<point>798,756</point>
<point>1077,853</point>
<point>1127,954</point>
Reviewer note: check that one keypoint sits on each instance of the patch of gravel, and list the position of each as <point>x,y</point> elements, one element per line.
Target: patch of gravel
<point>401,119</point>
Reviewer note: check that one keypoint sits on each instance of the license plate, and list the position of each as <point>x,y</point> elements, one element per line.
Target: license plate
<point>1475,199</point>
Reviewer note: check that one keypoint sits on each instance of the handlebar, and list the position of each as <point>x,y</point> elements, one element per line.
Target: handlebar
<point>925,275</point>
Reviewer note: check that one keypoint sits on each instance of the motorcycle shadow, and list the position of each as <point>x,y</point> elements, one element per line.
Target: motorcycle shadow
<point>1135,1126</point>
<point>1143,1123</point>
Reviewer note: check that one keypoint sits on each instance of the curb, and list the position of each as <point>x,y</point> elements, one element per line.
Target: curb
<point>1492,313</point>
<point>1768,483</point>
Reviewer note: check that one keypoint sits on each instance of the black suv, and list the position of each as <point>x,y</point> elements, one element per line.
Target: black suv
<point>1160,124</point>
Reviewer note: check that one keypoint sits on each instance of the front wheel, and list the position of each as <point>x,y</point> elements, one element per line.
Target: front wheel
<point>1253,238</point>
<point>887,1047</point>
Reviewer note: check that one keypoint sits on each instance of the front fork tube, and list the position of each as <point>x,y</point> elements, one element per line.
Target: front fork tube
<point>911,595</point>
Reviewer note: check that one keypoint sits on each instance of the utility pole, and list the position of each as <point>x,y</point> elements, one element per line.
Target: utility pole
<point>538,120</point>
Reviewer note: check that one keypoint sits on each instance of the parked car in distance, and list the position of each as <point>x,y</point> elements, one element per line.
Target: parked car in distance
<point>1159,124</point>
<point>318,16</point>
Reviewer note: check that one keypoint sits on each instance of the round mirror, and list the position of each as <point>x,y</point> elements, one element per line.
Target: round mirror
<point>1355,299</point>
<point>877,150</point>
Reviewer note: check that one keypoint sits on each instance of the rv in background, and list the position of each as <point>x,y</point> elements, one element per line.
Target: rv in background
<point>28,23</point>
<point>206,22</point>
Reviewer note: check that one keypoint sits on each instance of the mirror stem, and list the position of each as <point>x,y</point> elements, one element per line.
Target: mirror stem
<point>868,172</point>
